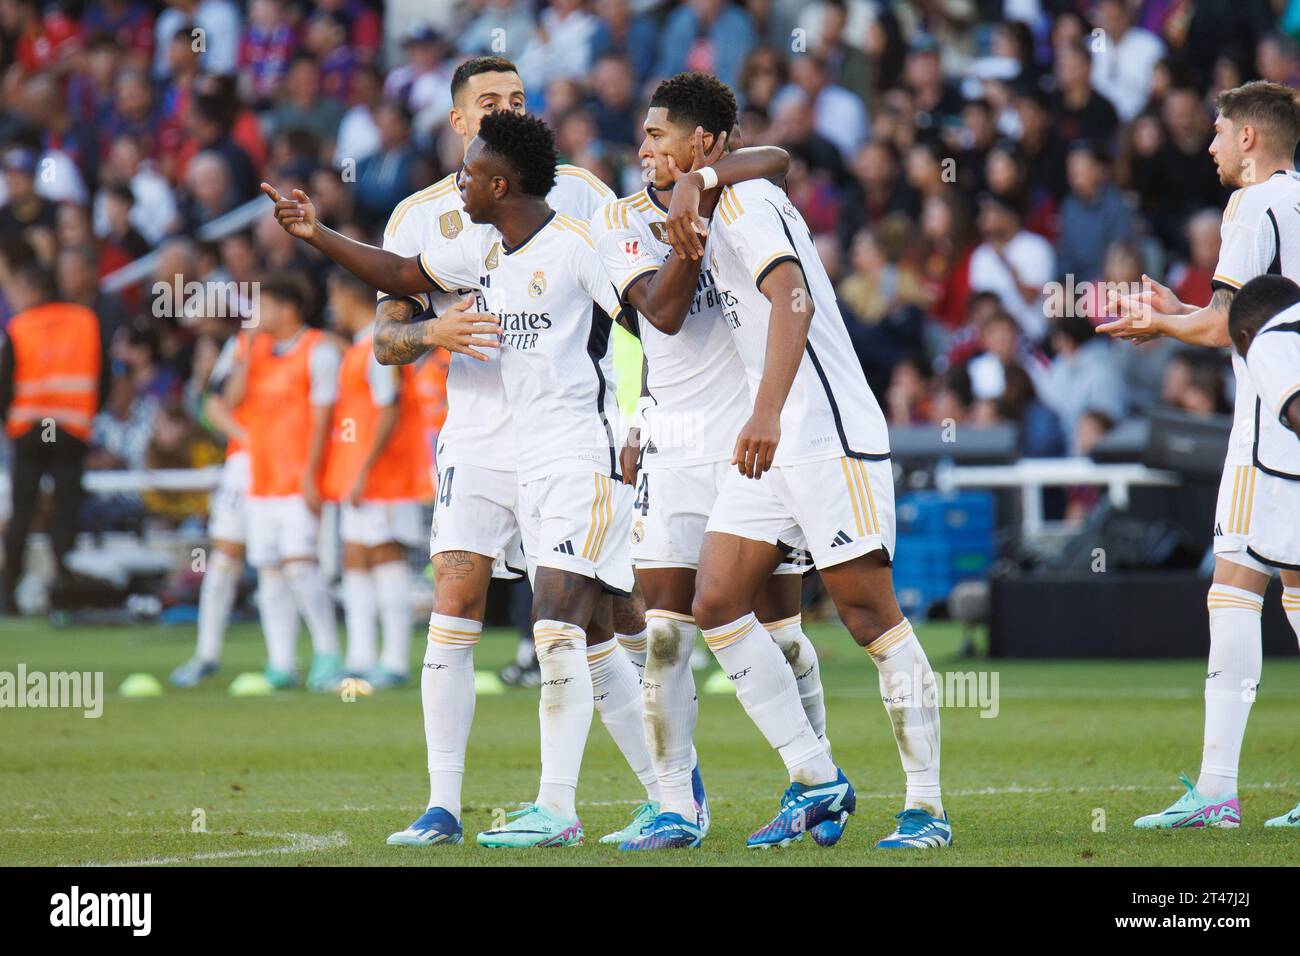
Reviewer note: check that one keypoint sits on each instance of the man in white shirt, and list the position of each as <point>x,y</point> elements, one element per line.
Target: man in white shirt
<point>1013,263</point>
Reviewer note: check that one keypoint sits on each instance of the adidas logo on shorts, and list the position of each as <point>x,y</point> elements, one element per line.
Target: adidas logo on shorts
<point>841,538</point>
<point>564,547</point>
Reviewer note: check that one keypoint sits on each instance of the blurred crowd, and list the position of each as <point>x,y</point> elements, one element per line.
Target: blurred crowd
<point>954,158</point>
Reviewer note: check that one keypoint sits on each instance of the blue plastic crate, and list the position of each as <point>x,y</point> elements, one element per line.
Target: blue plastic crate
<point>930,512</point>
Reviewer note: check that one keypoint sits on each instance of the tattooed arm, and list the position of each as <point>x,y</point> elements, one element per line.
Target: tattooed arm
<point>400,341</point>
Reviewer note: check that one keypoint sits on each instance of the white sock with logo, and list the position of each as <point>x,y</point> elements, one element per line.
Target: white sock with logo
<point>447,694</point>
<point>564,712</point>
<point>216,600</point>
<point>635,647</point>
<point>361,617</point>
<point>314,604</point>
<point>279,616</point>
<point>393,583</point>
<point>616,693</point>
<point>671,707</point>
<point>801,655</point>
<point>1291,605</point>
<point>1236,662</point>
<point>907,689</point>
<point>766,688</point>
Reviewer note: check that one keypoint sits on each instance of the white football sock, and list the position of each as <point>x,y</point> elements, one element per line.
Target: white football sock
<point>279,615</point>
<point>393,584</point>
<point>671,707</point>
<point>616,694</point>
<point>314,604</point>
<point>564,712</point>
<point>1236,661</point>
<point>765,686</point>
<point>907,688</point>
<point>447,693</point>
<point>1291,604</point>
<point>800,654</point>
<point>216,599</point>
<point>360,614</point>
<point>635,646</point>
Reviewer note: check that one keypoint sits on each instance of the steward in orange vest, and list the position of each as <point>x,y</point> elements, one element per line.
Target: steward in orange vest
<point>54,375</point>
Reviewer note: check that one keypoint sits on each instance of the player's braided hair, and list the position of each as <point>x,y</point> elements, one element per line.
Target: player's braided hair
<point>524,143</point>
<point>697,99</point>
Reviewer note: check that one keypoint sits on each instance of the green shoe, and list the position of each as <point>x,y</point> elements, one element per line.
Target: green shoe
<point>1291,819</point>
<point>1193,811</point>
<point>533,826</point>
<point>642,817</point>
<point>326,673</point>
<point>281,680</point>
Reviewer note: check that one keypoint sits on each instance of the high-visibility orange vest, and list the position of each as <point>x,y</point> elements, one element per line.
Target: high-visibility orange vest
<point>276,410</point>
<point>431,386</point>
<point>57,363</point>
<point>401,472</point>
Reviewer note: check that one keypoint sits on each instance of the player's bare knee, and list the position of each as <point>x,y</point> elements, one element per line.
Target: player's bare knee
<point>868,620</point>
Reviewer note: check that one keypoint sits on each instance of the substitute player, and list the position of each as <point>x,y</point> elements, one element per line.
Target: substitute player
<point>812,471</point>
<point>695,404</point>
<point>476,521</point>
<point>1256,131</point>
<point>377,468</point>
<point>538,272</point>
<point>282,386</point>
<point>227,526</point>
<point>1264,322</point>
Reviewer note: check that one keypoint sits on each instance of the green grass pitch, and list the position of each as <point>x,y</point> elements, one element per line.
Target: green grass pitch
<point>1076,751</point>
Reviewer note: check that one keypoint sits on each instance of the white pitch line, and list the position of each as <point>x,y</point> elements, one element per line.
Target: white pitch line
<point>298,843</point>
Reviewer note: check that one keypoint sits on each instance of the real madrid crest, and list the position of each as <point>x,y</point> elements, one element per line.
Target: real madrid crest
<point>450,223</point>
<point>490,262</point>
<point>660,230</point>
<point>537,284</point>
<point>638,531</point>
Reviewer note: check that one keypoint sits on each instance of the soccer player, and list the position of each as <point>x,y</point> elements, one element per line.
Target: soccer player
<point>695,404</point>
<point>476,525</point>
<point>282,387</point>
<point>1256,131</point>
<point>812,471</point>
<point>1264,323</point>
<point>227,527</point>
<point>536,271</point>
<point>377,468</point>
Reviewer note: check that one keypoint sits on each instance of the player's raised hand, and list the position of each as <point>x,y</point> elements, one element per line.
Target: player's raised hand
<point>460,330</point>
<point>685,224</point>
<point>756,444</point>
<point>296,215</point>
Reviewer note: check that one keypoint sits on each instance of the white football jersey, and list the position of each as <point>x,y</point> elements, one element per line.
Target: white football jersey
<point>695,379</point>
<point>830,410</point>
<point>478,428</point>
<point>1261,236</point>
<point>1274,364</point>
<point>556,305</point>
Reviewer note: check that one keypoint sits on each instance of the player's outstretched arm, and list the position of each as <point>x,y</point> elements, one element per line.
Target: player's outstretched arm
<point>400,341</point>
<point>1206,326</point>
<point>384,270</point>
<point>787,334</point>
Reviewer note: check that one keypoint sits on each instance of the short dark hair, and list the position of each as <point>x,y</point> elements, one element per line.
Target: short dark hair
<point>285,289</point>
<point>697,99</point>
<point>1270,107</point>
<point>38,279</point>
<point>475,66</point>
<point>1258,301</point>
<point>526,145</point>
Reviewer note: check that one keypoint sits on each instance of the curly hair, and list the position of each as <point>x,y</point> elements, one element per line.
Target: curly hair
<point>697,99</point>
<point>526,145</point>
